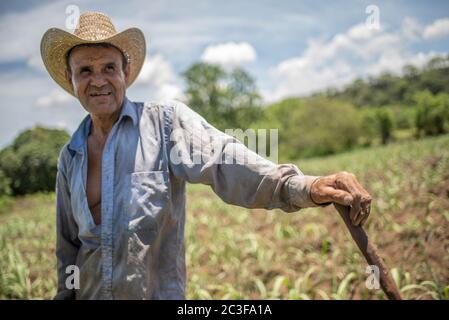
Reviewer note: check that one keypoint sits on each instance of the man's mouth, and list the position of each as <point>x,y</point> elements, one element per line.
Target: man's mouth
<point>102,94</point>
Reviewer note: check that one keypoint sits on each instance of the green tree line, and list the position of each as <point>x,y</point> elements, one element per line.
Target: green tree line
<point>388,89</point>
<point>367,112</point>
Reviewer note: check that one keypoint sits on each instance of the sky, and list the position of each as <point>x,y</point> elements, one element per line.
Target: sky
<point>290,48</point>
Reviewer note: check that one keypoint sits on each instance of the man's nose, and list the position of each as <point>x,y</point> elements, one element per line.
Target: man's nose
<point>98,80</point>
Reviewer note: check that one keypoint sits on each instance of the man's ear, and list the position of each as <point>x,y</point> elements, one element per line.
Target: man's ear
<point>68,77</point>
<point>126,72</point>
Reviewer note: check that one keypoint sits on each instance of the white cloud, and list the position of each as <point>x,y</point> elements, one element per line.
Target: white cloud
<point>438,29</point>
<point>35,62</point>
<point>394,61</point>
<point>156,70</point>
<point>62,125</point>
<point>411,29</point>
<point>157,73</point>
<point>21,32</point>
<point>361,32</point>
<point>229,54</point>
<point>29,99</point>
<point>358,52</point>
<point>55,98</point>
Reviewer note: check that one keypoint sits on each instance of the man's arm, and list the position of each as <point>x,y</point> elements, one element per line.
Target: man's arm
<point>67,242</point>
<point>202,154</point>
<point>256,183</point>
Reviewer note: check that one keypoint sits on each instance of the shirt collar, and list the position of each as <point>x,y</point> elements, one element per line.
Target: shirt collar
<point>129,110</point>
<point>79,137</point>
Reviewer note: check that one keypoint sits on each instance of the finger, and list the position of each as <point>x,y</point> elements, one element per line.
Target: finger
<point>329,194</point>
<point>349,183</point>
<point>362,223</point>
<point>362,190</point>
<point>364,210</point>
<point>341,197</point>
<point>367,213</point>
<point>361,215</point>
<point>354,212</point>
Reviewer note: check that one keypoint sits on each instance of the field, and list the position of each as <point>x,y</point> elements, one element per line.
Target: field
<point>235,253</point>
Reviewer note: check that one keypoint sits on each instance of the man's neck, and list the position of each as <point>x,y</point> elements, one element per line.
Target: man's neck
<point>102,125</point>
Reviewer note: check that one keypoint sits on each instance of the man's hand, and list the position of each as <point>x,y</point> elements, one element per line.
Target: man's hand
<point>343,188</point>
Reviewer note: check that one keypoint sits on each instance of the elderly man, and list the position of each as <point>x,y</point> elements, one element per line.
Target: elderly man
<point>121,178</point>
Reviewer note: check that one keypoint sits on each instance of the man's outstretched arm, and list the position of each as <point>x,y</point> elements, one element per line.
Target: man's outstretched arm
<point>241,177</point>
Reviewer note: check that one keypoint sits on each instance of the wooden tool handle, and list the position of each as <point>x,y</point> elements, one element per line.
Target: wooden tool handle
<point>370,253</point>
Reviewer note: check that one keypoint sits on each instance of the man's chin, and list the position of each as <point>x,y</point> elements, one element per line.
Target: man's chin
<point>102,108</point>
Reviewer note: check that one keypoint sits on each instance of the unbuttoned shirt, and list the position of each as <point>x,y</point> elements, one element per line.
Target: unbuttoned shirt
<point>152,150</point>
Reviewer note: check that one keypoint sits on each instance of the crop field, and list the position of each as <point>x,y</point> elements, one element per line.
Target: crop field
<point>236,253</point>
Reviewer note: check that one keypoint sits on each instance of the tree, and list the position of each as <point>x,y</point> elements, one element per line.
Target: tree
<point>227,99</point>
<point>30,162</point>
<point>313,127</point>
<point>5,182</point>
<point>432,117</point>
<point>385,122</point>
<point>390,89</point>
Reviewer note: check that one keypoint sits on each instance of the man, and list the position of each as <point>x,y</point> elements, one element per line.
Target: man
<point>121,178</point>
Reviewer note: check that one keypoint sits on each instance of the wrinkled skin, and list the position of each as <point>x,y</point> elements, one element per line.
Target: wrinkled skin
<point>98,80</point>
<point>343,188</point>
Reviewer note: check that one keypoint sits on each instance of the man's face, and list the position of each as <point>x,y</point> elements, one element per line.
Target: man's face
<point>98,79</point>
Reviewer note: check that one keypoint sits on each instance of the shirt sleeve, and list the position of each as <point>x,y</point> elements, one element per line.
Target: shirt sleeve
<point>200,153</point>
<point>67,242</point>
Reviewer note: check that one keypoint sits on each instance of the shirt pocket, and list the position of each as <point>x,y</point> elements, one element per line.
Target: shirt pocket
<point>148,204</point>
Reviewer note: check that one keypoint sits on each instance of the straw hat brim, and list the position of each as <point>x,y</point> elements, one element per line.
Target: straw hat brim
<point>56,43</point>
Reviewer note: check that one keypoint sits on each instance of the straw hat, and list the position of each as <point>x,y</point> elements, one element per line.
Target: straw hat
<point>93,27</point>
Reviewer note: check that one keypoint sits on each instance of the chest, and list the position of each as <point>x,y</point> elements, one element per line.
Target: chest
<point>93,181</point>
<point>127,178</point>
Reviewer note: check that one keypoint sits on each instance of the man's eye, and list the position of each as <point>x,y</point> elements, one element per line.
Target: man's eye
<point>84,70</point>
<point>110,68</point>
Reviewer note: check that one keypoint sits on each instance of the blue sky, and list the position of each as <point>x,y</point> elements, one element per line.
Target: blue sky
<point>291,48</point>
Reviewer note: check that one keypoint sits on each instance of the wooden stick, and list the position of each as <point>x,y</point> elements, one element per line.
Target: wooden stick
<point>370,253</point>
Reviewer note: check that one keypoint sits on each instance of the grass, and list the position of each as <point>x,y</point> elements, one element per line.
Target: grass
<point>27,254</point>
<point>236,253</point>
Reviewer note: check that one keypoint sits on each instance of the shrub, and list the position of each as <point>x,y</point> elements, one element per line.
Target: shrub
<point>432,116</point>
<point>30,162</point>
<point>312,127</point>
<point>385,123</point>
